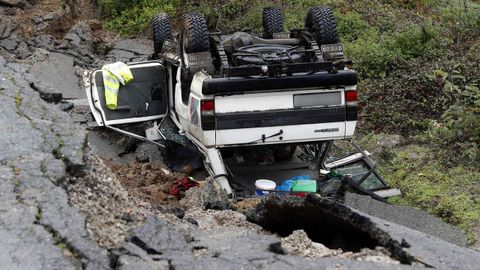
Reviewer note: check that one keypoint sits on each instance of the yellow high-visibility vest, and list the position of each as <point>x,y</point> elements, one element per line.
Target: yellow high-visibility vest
<point>114,75</point>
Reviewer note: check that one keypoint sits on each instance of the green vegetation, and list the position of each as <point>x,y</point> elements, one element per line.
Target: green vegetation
<point>456,134</point>
<point>132,17</point>
<point>18,100</point>
<point>449,193</point>
<point>419,66</point>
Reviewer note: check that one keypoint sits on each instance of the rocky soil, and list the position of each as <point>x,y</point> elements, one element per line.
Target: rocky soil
<point>73,196</point>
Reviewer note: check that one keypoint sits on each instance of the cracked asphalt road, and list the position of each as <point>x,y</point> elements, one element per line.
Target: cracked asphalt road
<point>38,227</point>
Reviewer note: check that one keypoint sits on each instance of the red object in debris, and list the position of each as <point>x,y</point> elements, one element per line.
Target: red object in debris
<point>182,185</point>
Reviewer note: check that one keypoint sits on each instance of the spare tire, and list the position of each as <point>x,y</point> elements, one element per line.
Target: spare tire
<point>321,22</point>
<point>162,30</point>
<point>195,33</point>
<point>272,21</point>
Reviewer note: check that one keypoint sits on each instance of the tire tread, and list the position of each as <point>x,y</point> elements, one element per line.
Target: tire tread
<point>321,22</point>
<point>272,21</point>
<point>162,30</point>
<point>196,33</point>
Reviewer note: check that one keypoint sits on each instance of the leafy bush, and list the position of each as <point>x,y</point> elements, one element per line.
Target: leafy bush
<point>132,17</point>
<point>415,41</point>
<point>115,7</point>
<point>462,15</point>
<point>232,15</point>
<point>351,26</point>
<point>375,54</point>
<point>456,134</point>
<point>370,56</point>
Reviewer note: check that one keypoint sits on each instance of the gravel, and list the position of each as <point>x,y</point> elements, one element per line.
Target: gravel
<point>109,210</point>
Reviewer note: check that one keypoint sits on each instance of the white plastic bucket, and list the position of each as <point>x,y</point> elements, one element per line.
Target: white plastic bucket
<point>264,186</point>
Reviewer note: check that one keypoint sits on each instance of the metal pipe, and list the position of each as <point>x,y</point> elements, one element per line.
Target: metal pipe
<point>133,135</point>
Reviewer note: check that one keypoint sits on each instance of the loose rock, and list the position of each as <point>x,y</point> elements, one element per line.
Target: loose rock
<point>10,44</point>
<point>57,66</point>
<point>6,28</point>
<point>298,243</point>
<point>44,41</point>
<point>157,236</point>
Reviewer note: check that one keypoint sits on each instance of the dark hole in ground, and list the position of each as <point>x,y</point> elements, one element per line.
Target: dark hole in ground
<point>322,225</point>
<point>325,221</point>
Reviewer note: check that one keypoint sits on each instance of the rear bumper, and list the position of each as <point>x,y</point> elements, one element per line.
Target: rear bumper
<point>289,134</point>
<point>218,86</point>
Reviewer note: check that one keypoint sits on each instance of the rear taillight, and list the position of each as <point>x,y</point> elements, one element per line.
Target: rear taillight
<point>207,105</point>
<point>207,111</point>
<point>351,100</point>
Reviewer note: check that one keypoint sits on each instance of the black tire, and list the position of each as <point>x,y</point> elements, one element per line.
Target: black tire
<point>195,33</point>
<point>272,21</point>
<point>321,22</point>
<point>162,30</point>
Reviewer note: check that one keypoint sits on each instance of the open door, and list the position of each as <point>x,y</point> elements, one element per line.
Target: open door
<point>143,99</point>
<point>362,170</point>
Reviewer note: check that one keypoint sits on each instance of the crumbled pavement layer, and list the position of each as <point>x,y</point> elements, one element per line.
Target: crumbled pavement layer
<point>156,242</point>
<point>211,239</point>
<point>408,217</point>
<point>208,195</point>
<point>40,145</point>
<point>58,65</point>
<point>131,50</point>
<point>337,225</point>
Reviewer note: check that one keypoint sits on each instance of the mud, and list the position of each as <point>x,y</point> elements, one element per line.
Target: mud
<point>146,182</point>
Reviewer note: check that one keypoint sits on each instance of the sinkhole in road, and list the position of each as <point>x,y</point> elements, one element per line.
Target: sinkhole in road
<point>325,221</point>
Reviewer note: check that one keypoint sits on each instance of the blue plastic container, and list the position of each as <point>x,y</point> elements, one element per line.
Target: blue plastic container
<point>286,185</point>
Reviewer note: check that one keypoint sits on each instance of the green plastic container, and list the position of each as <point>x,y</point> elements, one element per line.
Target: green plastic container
<point>305,186</point>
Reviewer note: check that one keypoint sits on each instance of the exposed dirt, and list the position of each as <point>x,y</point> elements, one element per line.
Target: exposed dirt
<point>147,182</point>
<point>25,17</point>
<point>246,204</point>
<point>56,18</point>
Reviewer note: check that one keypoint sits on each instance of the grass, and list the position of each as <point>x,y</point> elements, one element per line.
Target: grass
<point>18,100</point>
<point>427,181</point>
<point>450,193</point>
